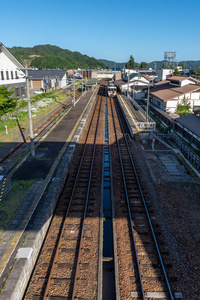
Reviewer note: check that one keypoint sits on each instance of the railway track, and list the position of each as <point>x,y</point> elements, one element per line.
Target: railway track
<point>39,132</point>
<point>101,243</point>
<point>142,273</point>
<point>68,264</point>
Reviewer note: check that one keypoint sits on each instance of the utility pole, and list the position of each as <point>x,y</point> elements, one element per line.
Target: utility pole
<point>134,92</point>
<point>73,90</point>
<point>147,116</point>
<point>29,115</point>
<point>128,86</point>
<point>29,110</point>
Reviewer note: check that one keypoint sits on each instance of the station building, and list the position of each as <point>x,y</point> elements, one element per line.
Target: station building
<point>10,73</point>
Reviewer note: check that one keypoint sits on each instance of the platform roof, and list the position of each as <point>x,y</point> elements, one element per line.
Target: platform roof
<point>192,122</point>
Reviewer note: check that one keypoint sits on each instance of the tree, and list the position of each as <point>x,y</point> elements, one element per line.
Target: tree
<point>144,65</point>
<point>183,108</point>
<point>197,73</point>
<point>7,104</point>
<point>131,63</point>
<point>176,72</point>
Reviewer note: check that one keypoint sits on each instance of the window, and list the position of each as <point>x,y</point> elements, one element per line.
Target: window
<point>17,91</point>
<point>7,75</point>
<point>16,75</point>
<point>12,75</point>
<point>2,75</point>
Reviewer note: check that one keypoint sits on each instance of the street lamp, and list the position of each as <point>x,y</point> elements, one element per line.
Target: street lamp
<point>29,110</point>
<point>128,85</point>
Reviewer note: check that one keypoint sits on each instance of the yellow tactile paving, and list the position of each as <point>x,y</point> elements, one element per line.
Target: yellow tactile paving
<point>129,113</point>
<point>15,239</point>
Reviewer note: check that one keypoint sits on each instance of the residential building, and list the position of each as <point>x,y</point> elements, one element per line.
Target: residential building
<point>48,80</point>
<point>167,94</point>
<point>10,73</point>
<point>134,82</point>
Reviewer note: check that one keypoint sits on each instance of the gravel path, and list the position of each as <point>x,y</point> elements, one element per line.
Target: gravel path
<point>175,199</point>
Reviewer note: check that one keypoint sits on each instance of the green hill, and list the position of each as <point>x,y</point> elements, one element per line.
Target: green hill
<point>52,57</point>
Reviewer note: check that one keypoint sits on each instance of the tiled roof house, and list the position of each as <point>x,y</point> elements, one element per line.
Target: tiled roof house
<point>168,93</point>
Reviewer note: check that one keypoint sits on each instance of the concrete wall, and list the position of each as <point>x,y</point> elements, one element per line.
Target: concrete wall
<point>118,75</point>
<point>187,81</point>
<point>195,96</point>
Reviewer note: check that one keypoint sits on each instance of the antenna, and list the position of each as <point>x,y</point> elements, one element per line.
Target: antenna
<point>170,57</point>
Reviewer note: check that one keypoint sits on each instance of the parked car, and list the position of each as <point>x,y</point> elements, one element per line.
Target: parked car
<point>39,91</point>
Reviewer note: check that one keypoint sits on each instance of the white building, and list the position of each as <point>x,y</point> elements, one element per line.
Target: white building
<point>10,73</point>
<point>167,94</point>
<point>135,81</point>
<point>163,74</point>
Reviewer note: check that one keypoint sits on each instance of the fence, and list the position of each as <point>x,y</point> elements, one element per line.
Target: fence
<point>187,151</point>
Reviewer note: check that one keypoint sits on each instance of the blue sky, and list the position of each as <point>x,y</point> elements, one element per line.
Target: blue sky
<point>111,30</point>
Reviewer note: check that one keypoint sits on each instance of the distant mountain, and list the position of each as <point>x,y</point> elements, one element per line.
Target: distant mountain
<point>193,64</point>
<point>112,64</point>
<point>187,64</point>
<point>52,57</point>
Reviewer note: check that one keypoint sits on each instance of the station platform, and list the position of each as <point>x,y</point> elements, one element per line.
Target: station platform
<point>21,240</point>
<point>135,116</point>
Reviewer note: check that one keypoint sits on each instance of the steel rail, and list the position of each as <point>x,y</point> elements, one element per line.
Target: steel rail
<point>128,204</point>
<point>86,205</point>
<point>45,295</point>
<point>146,209</point>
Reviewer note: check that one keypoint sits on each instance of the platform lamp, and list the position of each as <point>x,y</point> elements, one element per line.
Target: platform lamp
<point>147,116</point>
<point>128,85</point>
<point>82,80</point>
<point>29,108</point>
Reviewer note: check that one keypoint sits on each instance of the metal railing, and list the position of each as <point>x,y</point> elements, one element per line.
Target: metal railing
<point>186,150</point>
<point>146,125</point>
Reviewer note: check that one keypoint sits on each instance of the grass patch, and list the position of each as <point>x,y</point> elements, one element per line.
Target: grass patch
<point>21,118</point>
<point>13,200</point>
<point>6,279</point>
